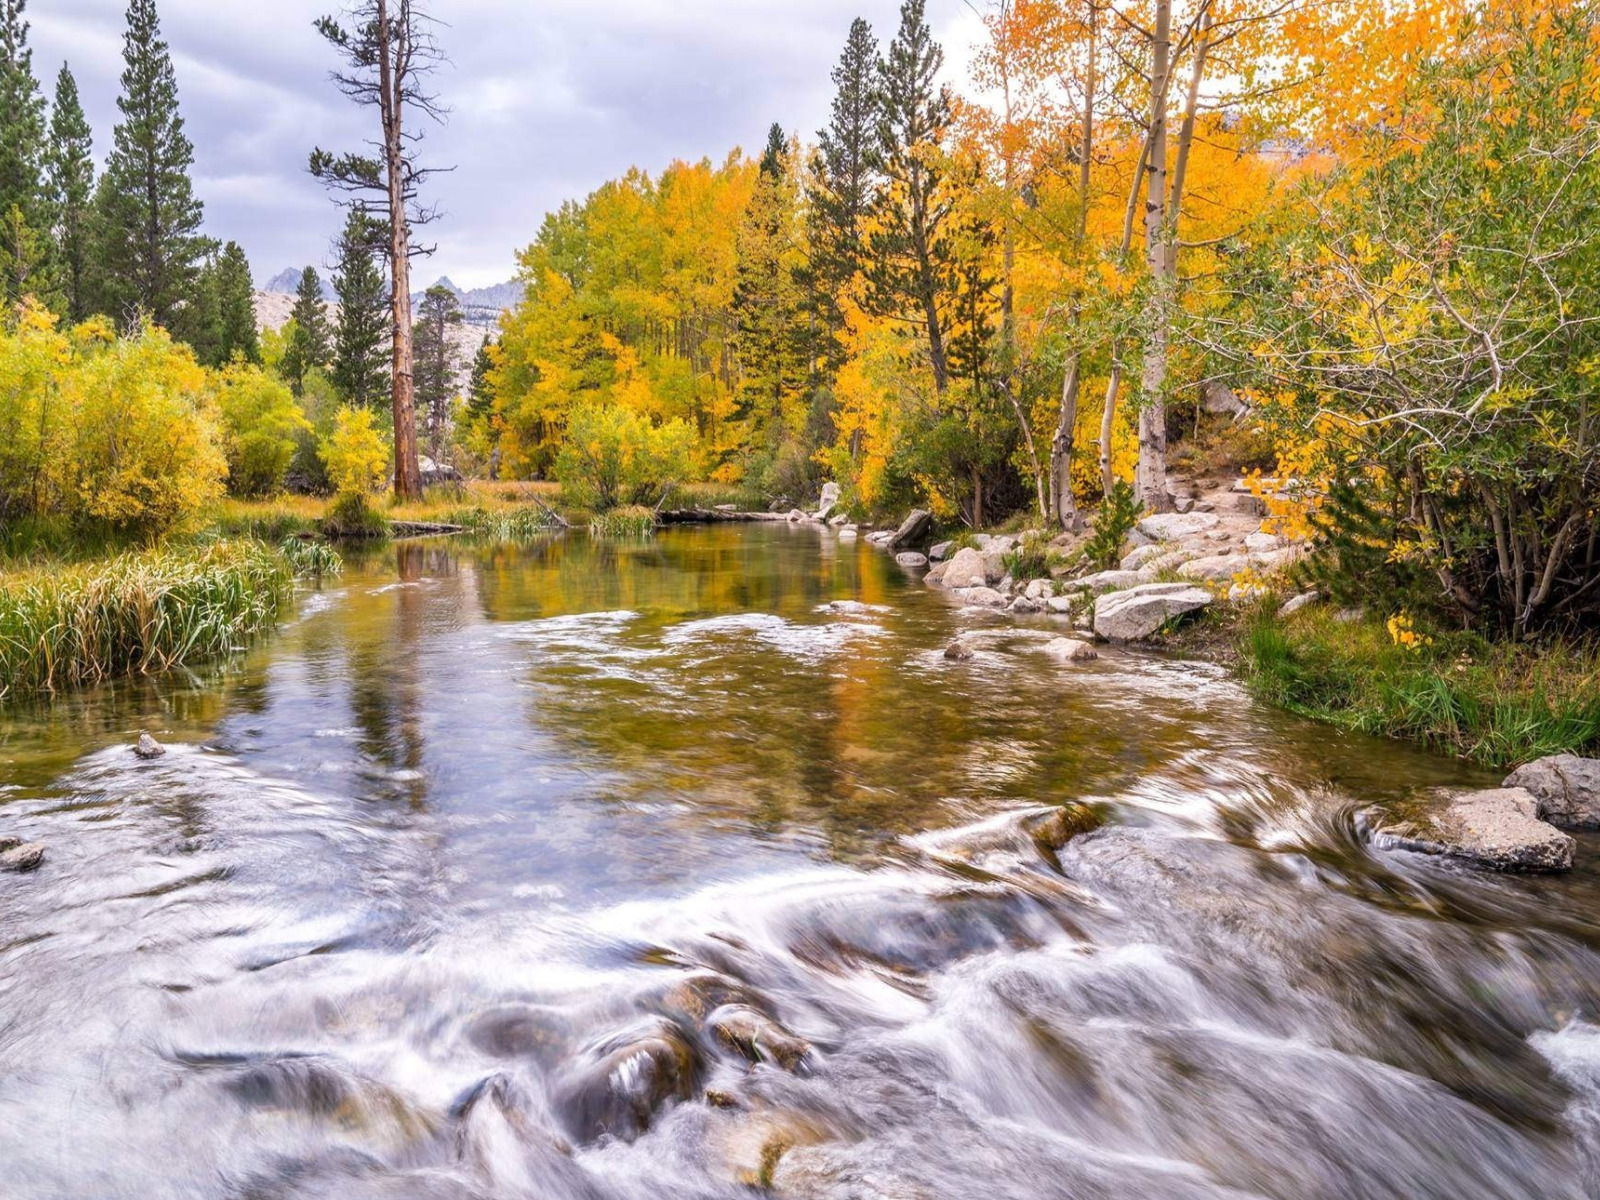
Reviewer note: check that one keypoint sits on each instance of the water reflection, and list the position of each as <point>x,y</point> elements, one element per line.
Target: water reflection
<point>457,887</point>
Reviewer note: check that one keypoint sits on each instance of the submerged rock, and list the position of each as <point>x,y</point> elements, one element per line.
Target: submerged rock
<point>1566,787</point>
<point>619,1082</point>
<point>910,558</point>
<point>1011,840</point>
<point>17,855</point>
<point>958,651</point>
<point>1141,612</point>
<point>757,1037</point>
<point>148,747</point>
<point>1070,650</point>
<point>1497,828</point>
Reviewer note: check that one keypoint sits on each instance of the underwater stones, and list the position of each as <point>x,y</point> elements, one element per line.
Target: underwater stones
<point>1498,828</point>
<point>616,1084</point>
<point>852,607</point>
<point>1009,841</point>
<point>17,855</point>
<point>757,1037</point>
<point>1142,611</point>
<point>1566,787</point>
<point>1070,650</point>
<point>958,651</point>
<point>911,559</point>
<point>147,747</point>
<point>966,569</point>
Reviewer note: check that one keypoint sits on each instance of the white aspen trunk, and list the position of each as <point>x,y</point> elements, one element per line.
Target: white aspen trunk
<point>1151,477</point>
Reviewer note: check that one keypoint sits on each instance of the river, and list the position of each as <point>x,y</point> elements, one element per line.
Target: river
<point>491,873</point>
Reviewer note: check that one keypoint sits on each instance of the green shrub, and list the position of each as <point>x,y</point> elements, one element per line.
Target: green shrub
<point>612,455</point>
<point>1032,557</point>
<point>261,421</point>
<point>351,517</point>
<point>1115,519</point>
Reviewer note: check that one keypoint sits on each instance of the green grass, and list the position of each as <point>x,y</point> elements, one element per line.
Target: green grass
<point>632,520</point>
<point>505,524</point>
<point>353,518</point>
<point>1491,702</point>
<point>135,613</point>
<point>310,559</point>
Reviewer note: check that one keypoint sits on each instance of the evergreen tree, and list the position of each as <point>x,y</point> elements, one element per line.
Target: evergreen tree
<point>360,358</point>
<point>69,166</point>
<point>842,185</point>
<point>308,347</point>
<point>912,257</point>
<point>480,391</point>
<point>150,220</point>
<point>219,319</point>
<point>435,365</point>
<point>22,219</point>
<point>766,302</point>
<point>21,114</point>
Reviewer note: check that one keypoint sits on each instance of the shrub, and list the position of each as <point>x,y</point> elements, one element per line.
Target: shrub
<point>1031,559</point>
<point>355,453</point>
<point>120,434</point>
<point>612,455</point>
<point>1112,523</point>
<point>261,419</point>
<point>351,516</point>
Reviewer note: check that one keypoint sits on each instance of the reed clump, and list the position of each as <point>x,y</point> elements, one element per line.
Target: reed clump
<point>135,613</point>
<point>628,521</point>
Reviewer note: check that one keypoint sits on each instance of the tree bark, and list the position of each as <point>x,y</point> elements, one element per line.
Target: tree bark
<point>1151,476</point>
<point>391,82</point>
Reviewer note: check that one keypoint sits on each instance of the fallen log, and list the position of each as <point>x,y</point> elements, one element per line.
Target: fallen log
<point>709,516</point>
<point>401,529</point>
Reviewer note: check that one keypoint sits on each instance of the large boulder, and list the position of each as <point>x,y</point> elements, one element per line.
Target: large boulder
<point>1141,612</point>
<point>1174,527</point>
<point>982,597</point>
<point>912,530</point>
<point>1566,786</point>
<point>966,569</point>
<point>1215,568</point>
<point>1105,581</point>
<point>1498,828</point>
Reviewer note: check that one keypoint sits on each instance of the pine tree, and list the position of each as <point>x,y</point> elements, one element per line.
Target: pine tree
<point>21,115</point>
<point>22,219</point>
<point>150,223</point>
<point>911,267</point>
<point>308,348</point>
<point>766,300</point>
<point>435,361</point>
<point>843,183</point>
<point>69,166</point>
<point>480,391</point>
<point>219,319</point>
<point>360,360</point>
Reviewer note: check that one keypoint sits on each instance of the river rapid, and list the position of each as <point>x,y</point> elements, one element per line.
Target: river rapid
<point>576,869</point>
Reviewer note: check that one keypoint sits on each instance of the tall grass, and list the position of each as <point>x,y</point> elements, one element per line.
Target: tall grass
<point>1492,702</point>
<point>135,613</point>
<point>506,524</point>
<point>310,559</point>
<point>632,520</point>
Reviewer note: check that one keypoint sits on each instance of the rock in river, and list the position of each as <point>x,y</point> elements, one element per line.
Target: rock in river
<point>757,1036</point>
<point>912,529</point>
<point>1566,786</point>
<point>619,1082</point>
<point>958,651</point>
<point>17,855</point>
<point>910,558</point>
<point>1497,828</point>
<point>966,569</point>
<point>982,597</point>
<point>1142,611</point>
<point>1070,650</point>
<point>148,747</point>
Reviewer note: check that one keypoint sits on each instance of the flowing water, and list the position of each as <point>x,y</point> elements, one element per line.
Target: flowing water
<point>588,870</point>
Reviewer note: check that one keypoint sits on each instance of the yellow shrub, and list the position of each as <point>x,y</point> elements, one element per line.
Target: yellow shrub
<point>261,418</point>
<point>356,454</point>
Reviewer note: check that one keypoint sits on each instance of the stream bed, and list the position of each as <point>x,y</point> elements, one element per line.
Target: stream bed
<point>626,870</point>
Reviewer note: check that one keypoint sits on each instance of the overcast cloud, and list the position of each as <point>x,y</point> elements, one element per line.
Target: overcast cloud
<point>550,98</point>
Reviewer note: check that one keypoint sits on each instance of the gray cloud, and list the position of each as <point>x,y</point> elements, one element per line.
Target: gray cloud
<point>548,100</point>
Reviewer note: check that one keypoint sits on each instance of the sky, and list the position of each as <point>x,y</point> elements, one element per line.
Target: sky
<point>549,99</point>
